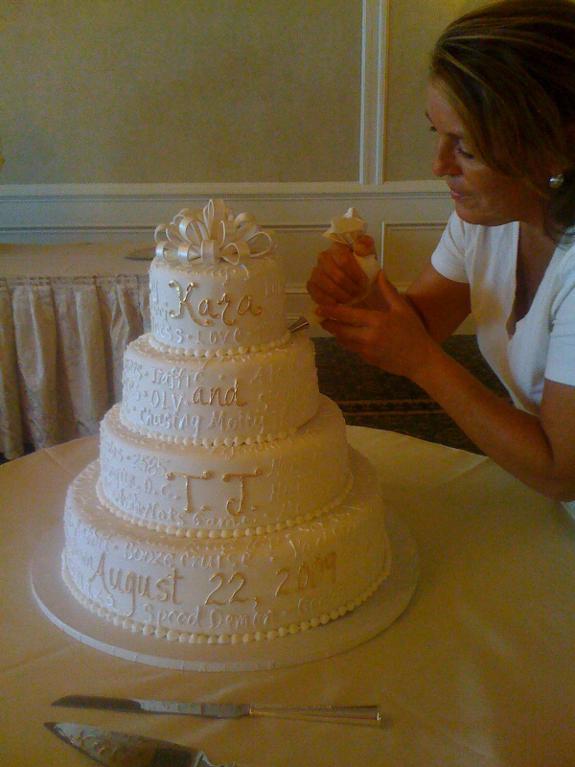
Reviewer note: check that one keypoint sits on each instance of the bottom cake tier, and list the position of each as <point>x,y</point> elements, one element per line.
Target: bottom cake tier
<point>226,590</point>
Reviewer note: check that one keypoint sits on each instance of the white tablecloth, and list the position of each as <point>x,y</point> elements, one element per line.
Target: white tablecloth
<point>66,315</point>
<point>478,672</point>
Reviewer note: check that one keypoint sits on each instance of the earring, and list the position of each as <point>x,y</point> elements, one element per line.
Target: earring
<point>556,182</point>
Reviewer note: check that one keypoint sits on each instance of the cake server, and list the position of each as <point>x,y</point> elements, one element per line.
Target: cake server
<point>118,749</point>
<point>364,715</point>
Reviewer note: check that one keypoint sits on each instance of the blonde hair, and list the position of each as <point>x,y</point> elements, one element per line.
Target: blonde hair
<point>508,69</point>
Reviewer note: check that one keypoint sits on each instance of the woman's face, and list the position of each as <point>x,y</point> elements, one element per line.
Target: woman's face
<point>481,195</point>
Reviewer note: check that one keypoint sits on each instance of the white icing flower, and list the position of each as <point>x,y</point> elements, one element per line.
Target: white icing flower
<point>212,234</point>
<point>345,230</point>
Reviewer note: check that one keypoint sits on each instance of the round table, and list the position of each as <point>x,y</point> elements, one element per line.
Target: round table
<point>478,670</point>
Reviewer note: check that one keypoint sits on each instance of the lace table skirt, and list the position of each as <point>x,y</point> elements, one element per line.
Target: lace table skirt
<point>62,339</point>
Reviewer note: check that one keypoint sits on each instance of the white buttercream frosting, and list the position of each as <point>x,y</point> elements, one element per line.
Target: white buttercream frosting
<point>224,488</point>
<point>226,505</point>
<point>219,400</point>
<point>346,229</point>
<point>226,590</point>
<point>202,309</point>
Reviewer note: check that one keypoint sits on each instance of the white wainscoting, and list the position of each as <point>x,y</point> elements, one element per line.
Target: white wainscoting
<point>406,218</point>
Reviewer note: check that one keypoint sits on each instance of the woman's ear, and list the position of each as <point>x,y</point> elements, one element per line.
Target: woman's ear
<point>557,169</point>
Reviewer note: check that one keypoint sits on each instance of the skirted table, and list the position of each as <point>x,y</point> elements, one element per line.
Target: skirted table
<point>66,315</point>
<point>477,671</point>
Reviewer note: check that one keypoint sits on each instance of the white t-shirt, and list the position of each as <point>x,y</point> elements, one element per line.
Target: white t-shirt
<point>542,343</point>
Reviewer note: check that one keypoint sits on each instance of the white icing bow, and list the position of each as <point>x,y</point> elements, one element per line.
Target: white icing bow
<point>213,234</point>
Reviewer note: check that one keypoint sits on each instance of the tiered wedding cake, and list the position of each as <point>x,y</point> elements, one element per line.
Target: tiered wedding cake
<point>226,505</point>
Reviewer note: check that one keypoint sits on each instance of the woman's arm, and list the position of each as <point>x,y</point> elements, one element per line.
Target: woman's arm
<point>442,304</point>
<point>538,451</point>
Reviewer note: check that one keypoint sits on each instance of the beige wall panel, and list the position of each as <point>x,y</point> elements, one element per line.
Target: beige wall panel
<point>413,28</point>
<point>174,91</point>
<point>298,247</point>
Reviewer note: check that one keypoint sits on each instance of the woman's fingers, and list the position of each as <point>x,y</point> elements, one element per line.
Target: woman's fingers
<point>328,287</point>
<point>392,337</point>
<point>337,278</point>
<point>339,261</point>
<point>344,315</point>
<point>387,290</point>
<point>364,245</point>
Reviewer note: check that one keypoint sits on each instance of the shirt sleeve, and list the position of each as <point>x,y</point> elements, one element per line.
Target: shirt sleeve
<point>560,366</point>
<point>449,256</point>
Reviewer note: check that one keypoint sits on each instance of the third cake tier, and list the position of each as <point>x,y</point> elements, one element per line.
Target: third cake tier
<point>225,490</point>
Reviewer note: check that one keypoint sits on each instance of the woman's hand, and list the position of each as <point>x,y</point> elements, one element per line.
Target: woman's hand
<point>391,337</point>
<point>337,277</point>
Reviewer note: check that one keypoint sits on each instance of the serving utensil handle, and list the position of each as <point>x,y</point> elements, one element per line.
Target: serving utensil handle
<point>359,715</point>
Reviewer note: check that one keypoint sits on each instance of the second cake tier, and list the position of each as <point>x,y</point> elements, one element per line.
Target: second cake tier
<point>219,400</point>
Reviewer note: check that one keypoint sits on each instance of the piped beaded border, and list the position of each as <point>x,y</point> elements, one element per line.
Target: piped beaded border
<point>221,353</point>
<point>140,435</point>
<point>169,439</point>
<point>237,532</point>
<point>188,637</point>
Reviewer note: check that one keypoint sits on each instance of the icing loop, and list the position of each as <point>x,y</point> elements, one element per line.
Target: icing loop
<point>212,234</point>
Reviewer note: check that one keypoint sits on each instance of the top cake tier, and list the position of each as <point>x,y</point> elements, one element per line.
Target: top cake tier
<point>216,287</point>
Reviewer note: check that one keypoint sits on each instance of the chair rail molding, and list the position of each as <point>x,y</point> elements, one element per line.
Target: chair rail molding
<point>96,212</point>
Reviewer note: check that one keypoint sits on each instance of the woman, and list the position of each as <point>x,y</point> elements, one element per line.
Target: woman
<point>501,100</point>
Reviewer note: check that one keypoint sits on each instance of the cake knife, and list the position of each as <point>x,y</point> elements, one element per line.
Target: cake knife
<point>361,715</point>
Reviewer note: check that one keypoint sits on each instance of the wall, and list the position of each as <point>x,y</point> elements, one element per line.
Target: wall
<point>117,114</point>
<point>172,91</point>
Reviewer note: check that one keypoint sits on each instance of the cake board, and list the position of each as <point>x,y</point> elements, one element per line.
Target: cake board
<point>343,634</point>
